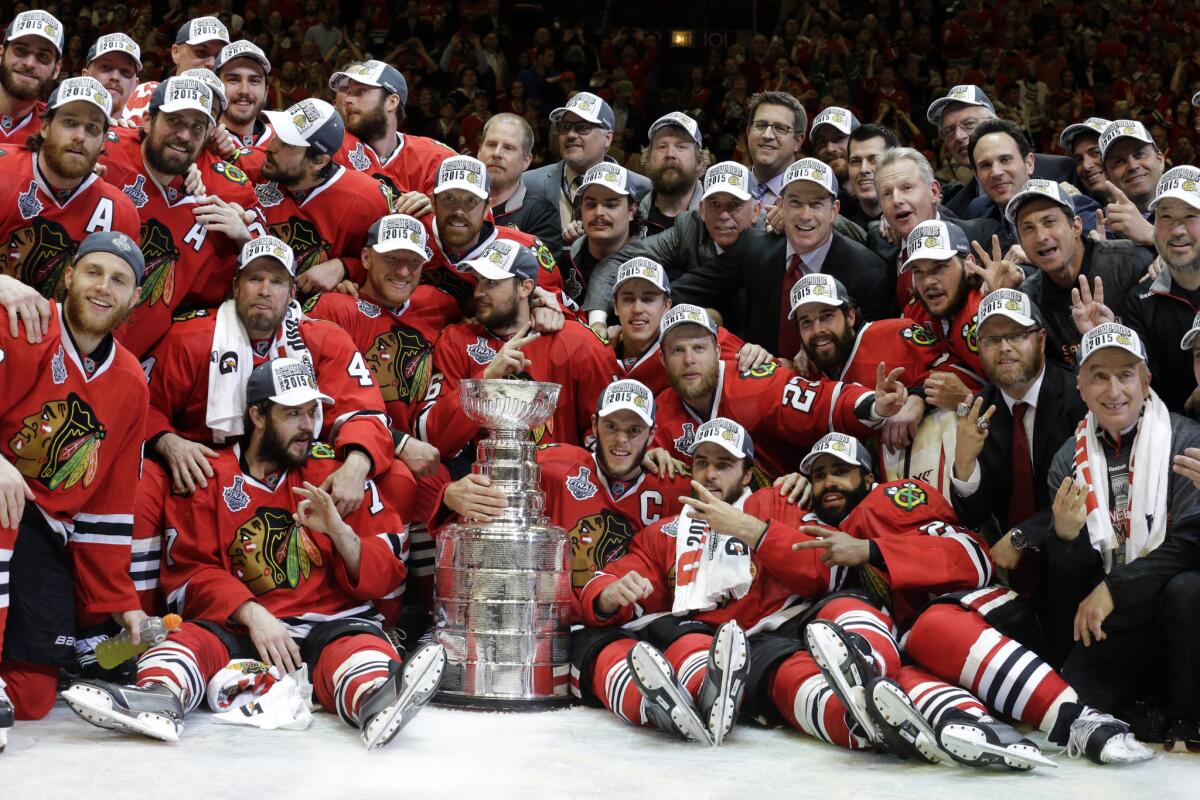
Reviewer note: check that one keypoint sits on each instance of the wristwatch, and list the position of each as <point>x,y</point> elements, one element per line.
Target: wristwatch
<point>1020,540</point>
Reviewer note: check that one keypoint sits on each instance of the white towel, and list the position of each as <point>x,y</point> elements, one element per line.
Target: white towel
<point>232,360</point>
<point>1149,471</point>
<point>710,567</point>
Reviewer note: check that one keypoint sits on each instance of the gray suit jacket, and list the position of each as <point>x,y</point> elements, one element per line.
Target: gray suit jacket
<point>546,182</point>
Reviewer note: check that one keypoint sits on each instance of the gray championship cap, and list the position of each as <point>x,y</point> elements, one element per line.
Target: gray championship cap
<point>588,107</point>
<point>627,395</point>
<point>201,30</point>
<point>399,232</point>
<point>119,245</point>
<point>36,23</point>
<point>1110,335</point>
<point>727,434</point>
<point>372,73</point>
<point>842,447</point>
<point>965,93</point>
<point>505,258</point>
<point>935,240</point>
<point>267,247</point>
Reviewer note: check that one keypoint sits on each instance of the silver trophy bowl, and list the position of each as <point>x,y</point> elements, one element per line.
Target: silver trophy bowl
<point>503,588</point>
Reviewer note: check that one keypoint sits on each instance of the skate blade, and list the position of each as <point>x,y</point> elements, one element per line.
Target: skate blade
<point>653,678</point>
<point>95,706</point>
<point>829,651</point>
<point>422,677</point>
<point>898,712</point>
<point>961,742</point>
<point>732,653</point>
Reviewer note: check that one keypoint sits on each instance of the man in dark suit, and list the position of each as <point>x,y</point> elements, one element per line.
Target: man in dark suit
<point>998,482</point>
<point>767,266</point>
<point>956,116</point>
<point>584,127</point>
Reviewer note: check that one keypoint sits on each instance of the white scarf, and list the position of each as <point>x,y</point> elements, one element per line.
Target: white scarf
<point>1151,458</point>
<point>708,567</point>
<point>231,361</point>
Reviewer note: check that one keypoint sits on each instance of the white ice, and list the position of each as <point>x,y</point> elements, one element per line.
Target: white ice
<point>573,753</point>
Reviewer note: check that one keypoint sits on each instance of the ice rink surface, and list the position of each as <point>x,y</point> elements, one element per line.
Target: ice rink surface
<point>574,753</point>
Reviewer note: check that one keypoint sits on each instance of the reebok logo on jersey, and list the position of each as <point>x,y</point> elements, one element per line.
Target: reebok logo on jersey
<point>136,191</point>
<point>580,485</point>
<point>28,203</point>
<point>235,496</point>
<point>481,352</point>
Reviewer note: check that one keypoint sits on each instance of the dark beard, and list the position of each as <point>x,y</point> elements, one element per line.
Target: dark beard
<point>956,305</point>
<point>608,471</point>
<point>278,173</point>
<point>371,127</point>
<point>497,318</point>
<point>158,161</point>
<point>273,449</point>
<point>15,90</point>
<point>671,180</point>
<point>841,353</point>
<point>835,518</point>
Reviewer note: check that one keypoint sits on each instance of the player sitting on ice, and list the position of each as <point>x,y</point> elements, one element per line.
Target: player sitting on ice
<point>903,541</point>
<point>262,566</point>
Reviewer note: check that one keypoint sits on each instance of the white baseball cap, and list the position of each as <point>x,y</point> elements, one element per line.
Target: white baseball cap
<point>83,89</point>
<point>812,170</point>
<point>1123,129</point>
<point>201,30</point>
<point>372,73</point>
<point>686,314</point>
<point>836,117</point>
<point>399,232</point>
<point>286,381</point>
<point>1092,126</point>
<point>267,247</point>
<point>1012,304</point>
<point>36,23</point>
<point>588,107</point>
<point>627,395</point>
<point>178,93</point>
<point>463,172</point>
<point>935,240</point>
<point>677,119</point>
<point>115,43</point>
<point>1033,189</point>
<point>1110,334</point>
<point>310,123</point>
<point>817,288</point>
<point>209,78</point>
<point>727,434</point>
<point>242,48</point>
<point>1190,336</point>
<point>732,178</point>
<point>611,176</point>
<point>965,93</point>
<point>505,258</point>
<point>1181,183</point>
<point>646,269</point>
<point>842,447</point>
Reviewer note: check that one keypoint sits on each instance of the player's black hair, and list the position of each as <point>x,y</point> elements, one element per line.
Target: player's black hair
<point>871,131</point>
<point>996,125</point>
<point>312,154</point>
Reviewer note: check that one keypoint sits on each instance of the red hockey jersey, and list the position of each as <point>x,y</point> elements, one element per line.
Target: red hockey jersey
<point>237,542</point>
<point>397,343</point>
<point>40,231</point>
<point>649,369</point>
<point>138,102</point>
<point>177,370</point>
<point>78,442</point>
<point>901,343</point>
<point>958,332</point>
<point>784,414</point>
<point>412,166</point>
<point>329,221</point>
<point>926,551</point>
<point>572,357</point>
<point>652,554</point>
<point>15,132</point>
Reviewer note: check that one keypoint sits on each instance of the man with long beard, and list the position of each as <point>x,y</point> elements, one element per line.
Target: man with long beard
<point>273,572</point>
<point>674,162</point>
<point>320,208</point>
<point>71,430</point>
<point>115,60</point>
<point>190,236</point>
<point>29,59</point>
<point>52,197</point>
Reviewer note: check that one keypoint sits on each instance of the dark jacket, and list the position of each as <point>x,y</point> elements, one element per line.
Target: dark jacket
<point>546,183</point>
<point>756,263</point>
<point>983,207</point>
<point>1120,264</point>
<point>1162,312</point>
<point>536,216</point>
<point>1052,168</point>
<point>1059,409</point>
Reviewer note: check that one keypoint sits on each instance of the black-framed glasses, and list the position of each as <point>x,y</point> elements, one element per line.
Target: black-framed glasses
<point>761,125</point>
<point>967,126</point>
<point>1011,339</point>
<point>582,128</point>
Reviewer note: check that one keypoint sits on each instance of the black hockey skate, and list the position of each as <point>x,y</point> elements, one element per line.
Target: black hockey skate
<point>1101,737</point>
<point>152,711</point>
<point>392,705</point>
<point>984,741</point>
<point>844,660</point>
<point>724,680</point>
<point>667,705</point>
<point>907,733</point>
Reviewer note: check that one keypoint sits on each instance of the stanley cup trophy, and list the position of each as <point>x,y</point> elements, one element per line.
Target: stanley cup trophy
<point>503,588</point>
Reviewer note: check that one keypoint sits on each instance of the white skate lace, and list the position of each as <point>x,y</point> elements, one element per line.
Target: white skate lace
<point>1089,721</point>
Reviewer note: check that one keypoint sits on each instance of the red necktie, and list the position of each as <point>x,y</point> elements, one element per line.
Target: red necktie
<point>789,337</point>
<point>1021,505</point>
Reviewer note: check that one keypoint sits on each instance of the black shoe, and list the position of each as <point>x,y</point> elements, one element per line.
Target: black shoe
<point>1147,722</point>
<point>906,732</point>
<point>152,711</point>
<point>1183,735</point>
<point>844,659</point>
<point>724,681</point>
<point>392,704</point>
<point>667,705</point>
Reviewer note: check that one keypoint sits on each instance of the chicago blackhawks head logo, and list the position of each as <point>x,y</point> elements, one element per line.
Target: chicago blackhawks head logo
<point>59,445</point>
<point>401,362</point>
<point>270,551</point>
<point>158,246</point>
<point>38,254</point>
<point>304,239</point>
<point>595,541</point>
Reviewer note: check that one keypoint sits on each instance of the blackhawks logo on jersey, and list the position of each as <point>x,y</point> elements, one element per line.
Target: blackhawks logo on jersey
<point>970,335</point>
<point>38,255</point>
<point>762,370</point>
<point>401,362</point>
<point>304,239</point>
<point>270,551</point>
<point>234,174</point>
<point>596,541</point>
<point>158,247</point>
<point>907,495</point>
<point>59,445</point>
<point>919,336</point>
<point>542,253</point>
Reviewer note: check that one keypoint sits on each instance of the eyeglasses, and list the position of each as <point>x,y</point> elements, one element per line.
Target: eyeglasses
<point>582,128</point>
<point>967,126</point>
<point>761,125</point>
<point>1011,339</point>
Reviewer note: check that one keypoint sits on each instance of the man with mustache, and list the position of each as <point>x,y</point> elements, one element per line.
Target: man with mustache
<point>191,231</point>
<point>71,430</point>
<point>197,44</point>
<point>29,59</point>
<point>609,216</point>
<point>274,572</point>
<point>115,60</point>
<point>320,208</point>
<point>52,197</point>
